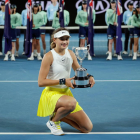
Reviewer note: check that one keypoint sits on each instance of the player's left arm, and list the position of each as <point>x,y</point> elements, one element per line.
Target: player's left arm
<point>76,65</point>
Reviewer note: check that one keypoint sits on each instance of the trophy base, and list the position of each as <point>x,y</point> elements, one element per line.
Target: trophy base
<point>81,86</point>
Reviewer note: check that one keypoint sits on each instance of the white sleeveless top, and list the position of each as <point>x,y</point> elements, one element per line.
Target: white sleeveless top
<point>61,67</point>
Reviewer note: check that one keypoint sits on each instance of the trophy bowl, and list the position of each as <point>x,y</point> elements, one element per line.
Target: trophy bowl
<point>81,78</point>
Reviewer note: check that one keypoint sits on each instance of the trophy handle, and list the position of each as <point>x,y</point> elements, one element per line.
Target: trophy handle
<point>74,49</point>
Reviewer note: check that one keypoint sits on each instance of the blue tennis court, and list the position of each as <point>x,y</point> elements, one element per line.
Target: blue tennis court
<point>113,104</point>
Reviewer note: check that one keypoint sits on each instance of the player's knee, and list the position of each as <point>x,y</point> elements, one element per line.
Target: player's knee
<point>71,104</point>
<point>87,129</point>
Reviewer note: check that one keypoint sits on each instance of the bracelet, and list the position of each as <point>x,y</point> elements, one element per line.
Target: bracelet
<point>89,76</point>
<point>62,81</point>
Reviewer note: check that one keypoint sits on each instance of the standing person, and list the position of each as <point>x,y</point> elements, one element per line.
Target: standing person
<point>131,30</point>
<point>114,39</point>
<point>44,14</point>
<point>127,14</point>
<point>82,21</point>
<point>52,8</point>
<point>56,100</point>
<point>112,22</point>
<point>136,24</point>
<point>2,14</point>
<point>14,23</point>
<point>37,23</point>
<point>24,23</point>
<point>19,22</point>
<point>56,23</point>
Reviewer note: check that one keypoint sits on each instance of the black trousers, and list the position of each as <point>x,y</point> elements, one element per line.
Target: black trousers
<point>24,39</point>
<point>126,39</point>
<point>1,36</point>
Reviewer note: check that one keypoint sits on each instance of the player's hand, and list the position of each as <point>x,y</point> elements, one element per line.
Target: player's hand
<point>86,23</point>
<point>68,82</point>
<point>91,81</point>
<point>33,26</point>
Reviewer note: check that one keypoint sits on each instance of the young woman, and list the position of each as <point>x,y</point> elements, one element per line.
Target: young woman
<point>44,14</point>
<point>37,23</point>
<point>131,30</point>
<point>111,31</point>
<point>56,23</point>
<point>56,100</point>
<point>82,20</point>
<point>14,23</point>
<point>127,14</point>
<point>136,24</point>
<point>19,22</point>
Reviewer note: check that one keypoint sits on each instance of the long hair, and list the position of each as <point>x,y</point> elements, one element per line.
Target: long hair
<point>53,45</point>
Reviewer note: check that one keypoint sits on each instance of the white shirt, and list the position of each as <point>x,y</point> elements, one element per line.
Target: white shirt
<point>61,67</point>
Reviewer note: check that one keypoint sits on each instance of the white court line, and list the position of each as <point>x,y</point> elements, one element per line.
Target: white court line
<point>95,81</point>
<point>46,133</point>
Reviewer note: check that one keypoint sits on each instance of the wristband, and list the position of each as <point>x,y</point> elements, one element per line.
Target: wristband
<point>62,81</point>
<point>89,76</point>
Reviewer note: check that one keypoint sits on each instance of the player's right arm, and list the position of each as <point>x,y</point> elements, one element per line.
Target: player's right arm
<point>44,70</point>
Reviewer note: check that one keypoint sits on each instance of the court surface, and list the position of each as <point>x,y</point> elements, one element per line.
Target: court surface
<point>113,104</point>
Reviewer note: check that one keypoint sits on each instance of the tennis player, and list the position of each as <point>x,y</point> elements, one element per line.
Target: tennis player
<point>136,24</point>
<point>56,100</point>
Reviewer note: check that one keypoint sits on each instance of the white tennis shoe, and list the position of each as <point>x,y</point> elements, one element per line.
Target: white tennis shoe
<point>6,58</point>
<point>1,53</point>
<point>55,128</point>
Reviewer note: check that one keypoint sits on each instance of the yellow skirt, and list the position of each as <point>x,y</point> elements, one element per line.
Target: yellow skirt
<point>49,99</point>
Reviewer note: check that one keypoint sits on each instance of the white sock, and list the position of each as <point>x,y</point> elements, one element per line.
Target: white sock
<point>110,53</point>
<point>16,51</point>
<point>38,54</point>
<point>44,51</point>
<point>135,54</point>
<point>6,55</point>
<point>130,51</point>
<point>32,54</point>
<point>114,51</point>
<point>12,55</point>
<point>35,51</point>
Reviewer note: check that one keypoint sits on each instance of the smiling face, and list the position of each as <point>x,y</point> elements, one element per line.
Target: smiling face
<point>62,42</point>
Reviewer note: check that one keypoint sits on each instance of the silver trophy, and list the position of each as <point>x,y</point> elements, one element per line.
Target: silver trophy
<point>81,78</point>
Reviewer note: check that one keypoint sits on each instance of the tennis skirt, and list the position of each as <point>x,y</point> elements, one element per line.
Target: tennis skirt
<point>49,98</point>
